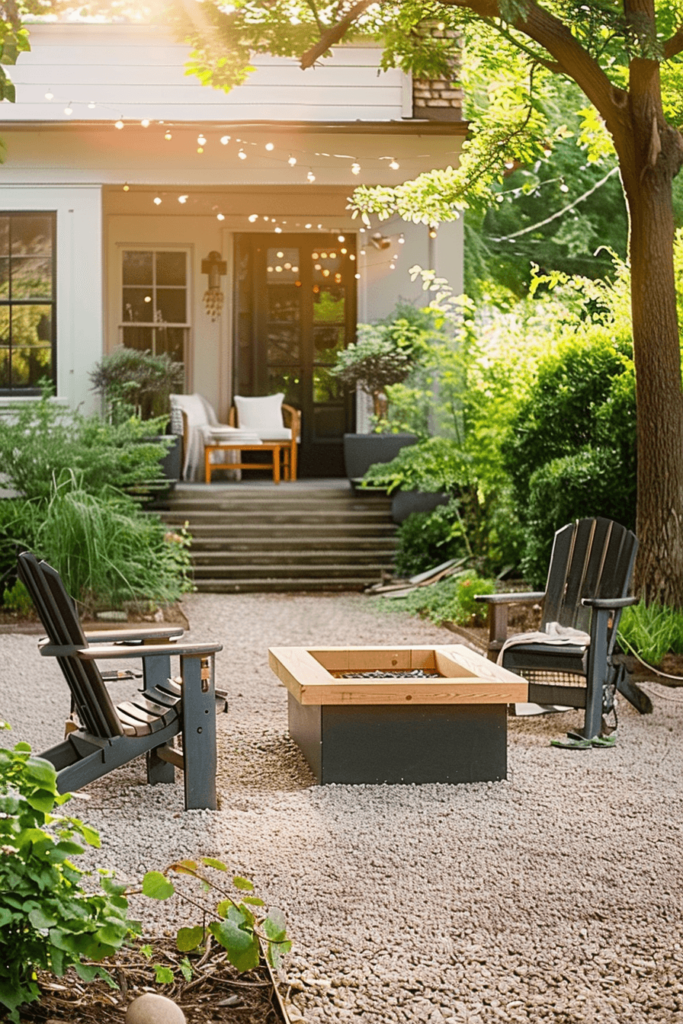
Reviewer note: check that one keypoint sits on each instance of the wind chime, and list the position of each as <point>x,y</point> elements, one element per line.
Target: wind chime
<point>216,267</point>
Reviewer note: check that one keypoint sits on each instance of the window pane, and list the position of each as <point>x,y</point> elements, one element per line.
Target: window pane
<point>171,268</point>
<point>137,305</point>
<point>171,305</point>
<point>137,268</point>
<point>31,235</point>
<point>328,305</point>
<point>31,325</point>
<point>29,365</point>
<point>4,367</point>
<point>170,340</point>
<point>4,277</point>
<point>138,337</point>
<point>4,325</point>
<point>4,236</point>
<point>31,278</point>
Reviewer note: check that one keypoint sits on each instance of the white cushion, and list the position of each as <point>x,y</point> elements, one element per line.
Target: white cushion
<point>193,406</point>
<point>260,414</point>
<point>274,434</point>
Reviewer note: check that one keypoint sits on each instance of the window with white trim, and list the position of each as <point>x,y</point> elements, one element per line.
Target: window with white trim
<point>155,301</point>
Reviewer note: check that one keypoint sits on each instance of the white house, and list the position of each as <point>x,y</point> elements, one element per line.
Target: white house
<point>138,207</point>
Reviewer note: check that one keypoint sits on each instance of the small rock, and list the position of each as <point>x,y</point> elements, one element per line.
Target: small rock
<point>154,1009</point>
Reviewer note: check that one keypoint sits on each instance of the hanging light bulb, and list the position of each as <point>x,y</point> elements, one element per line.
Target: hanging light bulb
<point>394,165</point>
<point>68,110</point>
<point>201,139</point>
<point>432,232</point>
<point>392,266</point>
<point>92,105</point>
<point>117,124</point>
<point>49,95</point>
<point>292,161</point>
<point>270,146</point>
<point>168,136</point>
<point>182,199</point>
<point>357,277</point>
<point>308,226</point>
<point>126,187</point>
<point>310,176</point>
<point>401,239</point>
<point>220,216</point>
<point>253,217</point>
<point>225,139</point>
<point>200,149</point>
<point>242,155</point>
<point>355,168</point>
<point>278,231</point>
<point>157,201</point>
<point>144,122</point>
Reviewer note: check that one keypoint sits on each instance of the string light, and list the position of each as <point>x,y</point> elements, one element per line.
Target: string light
<point>49,95</point>
<point>157,201</point>
<point>278,231</point>
<point>225,139</point>
<point>168,136</point>
<point>355,168</point>
<point>242,155</point>
<point>182,199</point>
<point>118,124</point>
<point>144,122</point>
<point>432,232</point>
<point>220,216</point>
<point>92,105</point>
<point>253,217</point>
<point>270,147</point>
<point>341,238</point>
<point>310,176</point>
<point>126,187</point>
<point>200,149</point>
<point>394,165</point>
<point>292,161</point>
<point>401,239</point>
<point>308,226</point>
<point>68,110</point>
<point>201,139</point>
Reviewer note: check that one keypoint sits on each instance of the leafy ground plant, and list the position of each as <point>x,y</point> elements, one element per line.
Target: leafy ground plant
<point>651,631</point>
<point>238,922</point>
<point>47,920</point>
<point>449,600</point>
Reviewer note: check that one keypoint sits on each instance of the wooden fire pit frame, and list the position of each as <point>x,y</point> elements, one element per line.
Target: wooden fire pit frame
<point>447,729</point>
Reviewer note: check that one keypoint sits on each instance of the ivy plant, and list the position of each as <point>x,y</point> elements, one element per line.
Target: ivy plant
<point>240,923</point>
<point>47,920</point>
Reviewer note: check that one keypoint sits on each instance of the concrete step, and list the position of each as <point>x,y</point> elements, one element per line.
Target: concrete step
<point>274,515</point>
<point>257,584</point>
<point>276,571</point>
<point>204,559</point>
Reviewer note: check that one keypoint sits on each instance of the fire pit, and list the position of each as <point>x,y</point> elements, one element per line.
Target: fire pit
<point>398,715</point>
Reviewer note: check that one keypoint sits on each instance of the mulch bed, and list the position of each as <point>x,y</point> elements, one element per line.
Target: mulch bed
<point>215,993</point>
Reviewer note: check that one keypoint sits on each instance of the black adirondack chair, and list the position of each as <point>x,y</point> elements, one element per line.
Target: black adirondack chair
<point>588,580</point>
<point>111,736</point>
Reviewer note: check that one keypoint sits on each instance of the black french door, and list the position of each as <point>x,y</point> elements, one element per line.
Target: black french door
<point>295,308</point>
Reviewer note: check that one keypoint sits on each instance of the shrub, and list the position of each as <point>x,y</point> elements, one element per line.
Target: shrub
<point>426,539</point>
<point>108,551</point>
<point>450,600</point>
<point>137,382</point>
<point>47,920</point>
<point>594,482</point>
<point>41,439</point>
<point>651,631</point>
<point>435,465</point>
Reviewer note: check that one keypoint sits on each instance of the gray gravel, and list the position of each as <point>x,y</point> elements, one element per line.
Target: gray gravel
<point>555,896</point>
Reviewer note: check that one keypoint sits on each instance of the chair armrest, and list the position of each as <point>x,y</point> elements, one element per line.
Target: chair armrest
<point>526,598</point>
<point>115,651</point>
<point>117,636</point>
<point>294,420</point>
<point>609,603</point>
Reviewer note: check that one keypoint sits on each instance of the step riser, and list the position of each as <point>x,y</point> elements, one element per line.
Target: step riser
<point>222,561</point>
<point>277,572</point>
<point>277,586</point>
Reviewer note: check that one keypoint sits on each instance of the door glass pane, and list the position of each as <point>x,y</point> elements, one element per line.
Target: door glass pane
<point>284,303</point>
<point>284,345</point>
<point>329,304</point>
<point>31,236</point>
<point>137,305</point>
<point>171,305</point>
<point>137,268</point>
<point>31,325</point>
<point>31,278</point>
<point>287,380</point>
<point>30,364</point>
<point>171,268</point>
<point>282,265</point>
<point>327,342</point>
<point>4,236</point>
<point>326,388</point>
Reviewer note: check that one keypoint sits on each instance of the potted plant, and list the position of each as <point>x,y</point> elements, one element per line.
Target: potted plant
<point>382,356</point>
<point>137,383</point>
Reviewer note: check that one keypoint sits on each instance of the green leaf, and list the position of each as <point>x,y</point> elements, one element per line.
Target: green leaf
<point>113,888</point>
<point>87,972</point>
<point>242,883</point>
<point>23,747</point>
<point>189,938</point>
<point>5,916</point>
<point>184,867</point>
<point>89,835</point>
<point>156,886</point>
<point>146,951</point>
<point>40,919</point>
<point>211,862</point>
<point>164,975</point>
<point>42,800</point>
<point>42,772</point>
<point>276,951</point>
<point>242,947</point>
<point>186,969</point>
<point>275,926</point>
<point>254,901</point>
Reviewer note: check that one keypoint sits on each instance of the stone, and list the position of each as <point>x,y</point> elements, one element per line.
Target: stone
<point>153,1009</point>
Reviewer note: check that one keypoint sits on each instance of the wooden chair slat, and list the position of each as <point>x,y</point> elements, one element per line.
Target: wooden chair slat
<point>582,549</point>
<point>557,573</point>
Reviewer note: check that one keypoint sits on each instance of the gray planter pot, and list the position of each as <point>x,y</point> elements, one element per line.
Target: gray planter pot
<point>404,503</point>
<point>363,450</point>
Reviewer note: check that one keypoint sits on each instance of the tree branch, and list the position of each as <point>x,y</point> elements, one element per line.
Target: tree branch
<point>570,56</point>
<point>674,45</point>
<point>334,34</point>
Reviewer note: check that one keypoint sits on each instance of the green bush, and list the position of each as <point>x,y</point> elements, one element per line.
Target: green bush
<point>450,600</point>
<point>593,482</point>
<point>19,521</point>
<point>651,631</point>
<point>47,920</point>
<point>135,382</point>
<point>435,465</point>
<point>108,551</point>
<point>40,440</point>
<point>426,539</point>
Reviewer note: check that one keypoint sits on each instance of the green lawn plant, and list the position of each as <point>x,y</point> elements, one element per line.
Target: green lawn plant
<point>651,631</point>
<point>48,921</point>
<point>449,600</point>
<point>238,921</point>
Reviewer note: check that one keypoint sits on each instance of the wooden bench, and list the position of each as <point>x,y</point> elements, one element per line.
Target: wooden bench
<point>275,447</point>
<point>448,726</point>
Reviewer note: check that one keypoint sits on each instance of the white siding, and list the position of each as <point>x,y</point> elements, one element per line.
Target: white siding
<point>133,72</point>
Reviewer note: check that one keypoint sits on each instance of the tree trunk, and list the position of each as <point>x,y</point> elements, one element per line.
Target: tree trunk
<point>655,156</point>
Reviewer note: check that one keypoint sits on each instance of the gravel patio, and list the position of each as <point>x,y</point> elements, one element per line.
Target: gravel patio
<point>554,896</point>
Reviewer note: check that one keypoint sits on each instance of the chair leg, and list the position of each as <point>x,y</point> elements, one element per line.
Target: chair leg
<point>199,732</point>
<point>292,460</point>
<point>158,771</point>
<point>597,666</point>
